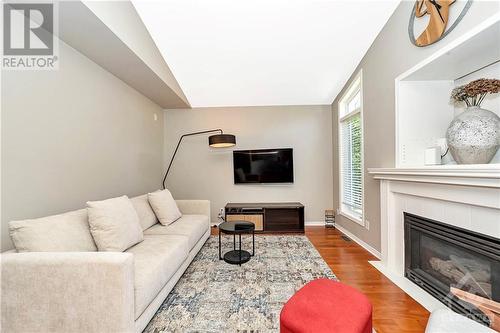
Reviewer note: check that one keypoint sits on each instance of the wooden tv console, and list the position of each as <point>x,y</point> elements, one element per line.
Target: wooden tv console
<point>269,217</point>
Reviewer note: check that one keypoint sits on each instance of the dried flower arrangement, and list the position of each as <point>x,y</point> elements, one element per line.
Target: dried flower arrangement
<point>474,92</point>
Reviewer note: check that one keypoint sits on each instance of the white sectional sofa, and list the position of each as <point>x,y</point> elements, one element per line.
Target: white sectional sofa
<point>95,291</point>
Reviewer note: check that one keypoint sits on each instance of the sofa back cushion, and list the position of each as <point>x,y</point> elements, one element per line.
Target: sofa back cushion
<point>147,217</point>
<point>114,224</point>
<point>68,232</point>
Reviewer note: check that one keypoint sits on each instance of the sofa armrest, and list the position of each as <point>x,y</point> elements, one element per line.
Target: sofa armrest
<point>199,207</point>
<point>67,292</point>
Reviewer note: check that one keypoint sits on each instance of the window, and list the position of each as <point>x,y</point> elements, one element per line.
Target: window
<point>351,152</point>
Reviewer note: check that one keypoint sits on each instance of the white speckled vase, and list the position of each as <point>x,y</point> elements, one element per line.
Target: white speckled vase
<point>474,136</point>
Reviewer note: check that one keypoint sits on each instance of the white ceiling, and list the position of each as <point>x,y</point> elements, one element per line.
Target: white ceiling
<point>263,52</point>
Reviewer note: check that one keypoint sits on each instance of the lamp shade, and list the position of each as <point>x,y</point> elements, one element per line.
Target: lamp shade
<point>221,140</point>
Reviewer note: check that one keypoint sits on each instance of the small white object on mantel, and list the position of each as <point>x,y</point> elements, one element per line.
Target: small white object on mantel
<point>465,196</point>
<point>433,156</point>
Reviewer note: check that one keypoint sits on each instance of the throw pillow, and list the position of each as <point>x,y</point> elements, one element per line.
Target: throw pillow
<point>68,232</point>
<point>164,206</point>
<point>114,224</point>
<point>147,217</point>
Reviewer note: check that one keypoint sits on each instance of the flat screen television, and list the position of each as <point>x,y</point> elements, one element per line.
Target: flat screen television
<point>263,166</point>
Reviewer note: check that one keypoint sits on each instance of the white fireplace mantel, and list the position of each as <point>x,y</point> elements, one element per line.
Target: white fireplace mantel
<point>466,196</point>
<point>482,175</point>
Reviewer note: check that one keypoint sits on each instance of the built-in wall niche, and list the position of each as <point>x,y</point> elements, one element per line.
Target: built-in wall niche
<point>423,106</point>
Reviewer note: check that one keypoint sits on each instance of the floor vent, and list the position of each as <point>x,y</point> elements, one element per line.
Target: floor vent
<point>347,239</point>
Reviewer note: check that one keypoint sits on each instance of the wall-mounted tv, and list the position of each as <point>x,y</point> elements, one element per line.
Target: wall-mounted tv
<point>263,166</point>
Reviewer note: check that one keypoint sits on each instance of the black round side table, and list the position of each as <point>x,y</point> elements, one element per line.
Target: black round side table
<point>237,257</point>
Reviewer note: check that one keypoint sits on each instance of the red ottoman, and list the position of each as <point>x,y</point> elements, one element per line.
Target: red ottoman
<point>324,305</point>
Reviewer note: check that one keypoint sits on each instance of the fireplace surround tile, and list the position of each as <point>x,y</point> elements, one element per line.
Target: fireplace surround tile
<point>460,214</point>
<point>430,208</point>
<point>485,220</point>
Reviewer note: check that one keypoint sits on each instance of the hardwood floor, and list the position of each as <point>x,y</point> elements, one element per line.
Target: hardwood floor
<point>393,310</point>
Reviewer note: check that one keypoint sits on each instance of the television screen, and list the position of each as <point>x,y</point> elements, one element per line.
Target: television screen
<point>263,166</point>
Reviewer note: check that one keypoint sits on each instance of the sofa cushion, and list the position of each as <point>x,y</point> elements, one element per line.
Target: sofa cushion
<point>114,224</point>
<point>191,226</point>
<point>68,232</point>
<point>164,206</point>
<point>156,259</point>
<point>147,217</point>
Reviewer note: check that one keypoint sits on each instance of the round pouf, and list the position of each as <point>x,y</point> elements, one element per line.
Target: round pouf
<point>324,305</point>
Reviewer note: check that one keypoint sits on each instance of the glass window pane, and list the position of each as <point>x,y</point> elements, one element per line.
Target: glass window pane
<point>351,173</point>
<point>354,103</point>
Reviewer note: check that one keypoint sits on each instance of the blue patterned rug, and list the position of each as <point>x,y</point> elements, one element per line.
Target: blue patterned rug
<point>213,296</point>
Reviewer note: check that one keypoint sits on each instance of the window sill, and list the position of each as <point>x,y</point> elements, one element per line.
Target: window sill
<point>353,218</point>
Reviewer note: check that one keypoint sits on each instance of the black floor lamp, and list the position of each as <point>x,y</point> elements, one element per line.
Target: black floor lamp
<point>220,140</point>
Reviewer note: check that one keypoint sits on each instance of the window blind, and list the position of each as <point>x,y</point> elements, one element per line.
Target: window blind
<point>352,190</point>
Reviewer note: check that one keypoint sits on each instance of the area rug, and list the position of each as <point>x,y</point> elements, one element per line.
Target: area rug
<point>213,296</point>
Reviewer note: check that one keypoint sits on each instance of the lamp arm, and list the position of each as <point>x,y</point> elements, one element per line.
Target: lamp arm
<point>179,143</point>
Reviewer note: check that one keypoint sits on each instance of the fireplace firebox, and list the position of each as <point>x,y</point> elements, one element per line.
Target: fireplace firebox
<point>439,256</point>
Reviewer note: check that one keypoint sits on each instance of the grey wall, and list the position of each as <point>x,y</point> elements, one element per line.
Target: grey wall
<point>73,135</point>
<point>390,55</point>
<point>200,172</point>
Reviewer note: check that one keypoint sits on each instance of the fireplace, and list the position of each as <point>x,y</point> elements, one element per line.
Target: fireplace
<point>439,256</point>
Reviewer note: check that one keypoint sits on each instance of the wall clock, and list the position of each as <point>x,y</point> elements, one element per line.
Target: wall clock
<point>432,20</point>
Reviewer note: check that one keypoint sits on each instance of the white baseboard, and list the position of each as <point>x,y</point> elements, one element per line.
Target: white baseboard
<point>364,245</point>
<point>314,223</point>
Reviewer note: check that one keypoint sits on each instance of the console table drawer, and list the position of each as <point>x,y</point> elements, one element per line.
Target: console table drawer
<point>282,219</point>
